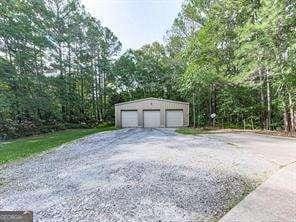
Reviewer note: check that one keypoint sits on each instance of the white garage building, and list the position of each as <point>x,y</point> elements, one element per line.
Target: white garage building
<point>152,112</point>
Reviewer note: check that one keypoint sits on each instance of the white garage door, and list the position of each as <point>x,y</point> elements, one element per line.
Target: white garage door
<point>151,118</point>
<point>129,118</point>
<point>174,118</point>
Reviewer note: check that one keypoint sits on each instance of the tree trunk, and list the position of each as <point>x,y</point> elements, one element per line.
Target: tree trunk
<point>82,92</point>
<point>292,114</point>
<point>193,109</point>
<point>262,117</point>
<point>69,59</point>
<point>104,96</point>
<point>99,90</point>
<point>94,90</point>
<point>268,118</point>
<point>212,103</point>
<point>213,98</point>
<point>210,107</point>
<point>97,96</point>
<point>286,119</point>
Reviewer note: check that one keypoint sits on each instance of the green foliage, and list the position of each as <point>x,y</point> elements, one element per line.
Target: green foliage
<point>146,72</point>
<point>193,131</point>
<point>55,67</point>
<point>58,65</point>
<point>238,61</point>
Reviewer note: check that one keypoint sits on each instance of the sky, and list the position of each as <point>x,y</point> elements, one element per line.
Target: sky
<point>135,22</point>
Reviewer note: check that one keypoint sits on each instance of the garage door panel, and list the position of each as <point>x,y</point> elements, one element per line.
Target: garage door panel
<point>129,118</point>
<point>174,118</point>
<point>152,118</point>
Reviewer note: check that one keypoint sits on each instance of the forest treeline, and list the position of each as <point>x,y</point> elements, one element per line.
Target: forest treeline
<point>61,68</point>
<point>56,62</point>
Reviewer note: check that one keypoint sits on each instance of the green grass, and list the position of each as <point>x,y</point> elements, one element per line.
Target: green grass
<point>211,130</point>
<point>20,148</point>
<point>193,131</point>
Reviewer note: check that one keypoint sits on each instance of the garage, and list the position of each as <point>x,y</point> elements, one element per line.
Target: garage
<point>152,113</point>
<point>152,118</point>
<point>129,118</point>
<point>174,118</point>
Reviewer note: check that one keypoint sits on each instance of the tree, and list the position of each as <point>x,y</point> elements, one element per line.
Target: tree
<point>53,56</point>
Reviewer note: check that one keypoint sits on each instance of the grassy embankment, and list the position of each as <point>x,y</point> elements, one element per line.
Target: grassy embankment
<point>191,131</point>
<point>24,147</point>
<point>197,131</point>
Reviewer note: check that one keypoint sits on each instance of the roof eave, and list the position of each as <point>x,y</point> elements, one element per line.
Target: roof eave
<point>151,98</point>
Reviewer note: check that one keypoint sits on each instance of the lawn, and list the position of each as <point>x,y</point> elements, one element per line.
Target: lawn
<point>194,131</point>
<point>20,148</point>
<point>209,130</point>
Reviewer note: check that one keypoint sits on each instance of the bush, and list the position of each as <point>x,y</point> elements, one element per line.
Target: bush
<point>13,129</point>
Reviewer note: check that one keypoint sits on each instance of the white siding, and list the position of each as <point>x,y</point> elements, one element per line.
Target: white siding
<point>129,118</point>
<point>151,104</point>
<point>174,118</point>
<point>151,118</point>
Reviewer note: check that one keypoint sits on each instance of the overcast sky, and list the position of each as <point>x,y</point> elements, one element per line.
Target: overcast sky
<point>135,22</point>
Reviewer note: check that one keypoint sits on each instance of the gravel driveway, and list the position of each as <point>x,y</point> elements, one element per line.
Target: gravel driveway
<point>135,175</point>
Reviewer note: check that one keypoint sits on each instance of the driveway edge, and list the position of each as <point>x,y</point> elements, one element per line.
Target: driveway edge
<point>274,200</point>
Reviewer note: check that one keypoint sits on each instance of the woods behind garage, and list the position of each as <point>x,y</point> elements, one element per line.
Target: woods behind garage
<point>152,112</point>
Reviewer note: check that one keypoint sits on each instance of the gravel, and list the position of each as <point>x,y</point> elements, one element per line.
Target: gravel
<point>134,175</point>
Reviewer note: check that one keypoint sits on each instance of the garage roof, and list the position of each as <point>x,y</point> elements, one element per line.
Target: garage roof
<point>151,98</point>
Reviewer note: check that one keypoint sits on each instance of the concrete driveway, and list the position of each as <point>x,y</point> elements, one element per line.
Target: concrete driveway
<point>143,175</point>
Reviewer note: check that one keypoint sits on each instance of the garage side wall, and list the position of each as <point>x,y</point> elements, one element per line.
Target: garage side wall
<point>161,105</point>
